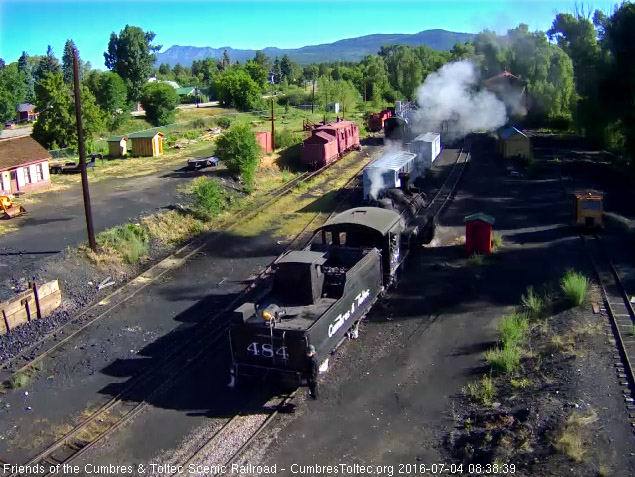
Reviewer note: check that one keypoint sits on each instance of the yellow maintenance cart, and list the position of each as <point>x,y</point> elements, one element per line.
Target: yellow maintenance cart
<point>588,208</point>
<point>8,209</point>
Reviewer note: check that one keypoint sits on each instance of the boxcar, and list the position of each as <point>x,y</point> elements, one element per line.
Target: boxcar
<point>329,142</point>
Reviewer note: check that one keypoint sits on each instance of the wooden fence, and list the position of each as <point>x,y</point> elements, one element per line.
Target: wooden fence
<point>37,302</point>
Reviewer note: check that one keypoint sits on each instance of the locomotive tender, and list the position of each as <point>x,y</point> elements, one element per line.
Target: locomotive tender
<point>318,295</point>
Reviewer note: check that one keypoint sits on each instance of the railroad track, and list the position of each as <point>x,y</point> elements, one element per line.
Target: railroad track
<point>445,192</point>
<point>82,321</point>
<point>617,306</point>
<point>226,446</point>
<point>208,334</point>
<point>619,309</point>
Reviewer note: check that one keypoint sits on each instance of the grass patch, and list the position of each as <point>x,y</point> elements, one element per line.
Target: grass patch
<point>521,383</point>
<point>532,302</point>
<point>569,439</point>
<point>129,240</point>
<point>574,286</point>
<point>19,380</point>
<point>505,359</point>
<point>476,260</point>
<point>497,240</point>
<point>513,329</point>
<point>172,227</point>
<point>482,391</point>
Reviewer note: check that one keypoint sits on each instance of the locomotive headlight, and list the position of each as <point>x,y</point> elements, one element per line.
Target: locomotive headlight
<point>272,313</point>
<point>267,315</point>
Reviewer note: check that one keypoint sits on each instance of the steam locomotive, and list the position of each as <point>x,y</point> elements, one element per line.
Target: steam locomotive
<point>318,295</point>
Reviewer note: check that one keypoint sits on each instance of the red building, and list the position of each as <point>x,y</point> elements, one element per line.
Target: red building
<point>329,142</point>
<point>478,234</point>
<point>24,165</point>
<point>264,139</point>
<point>25,112</point>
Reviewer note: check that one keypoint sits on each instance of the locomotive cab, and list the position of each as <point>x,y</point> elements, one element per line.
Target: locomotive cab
<point>366,227</point>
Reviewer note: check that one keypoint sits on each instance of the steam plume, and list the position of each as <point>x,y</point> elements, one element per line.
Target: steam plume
<point>450,102</point>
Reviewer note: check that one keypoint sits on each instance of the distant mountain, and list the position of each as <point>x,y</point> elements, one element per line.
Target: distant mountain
<point>351,49</point>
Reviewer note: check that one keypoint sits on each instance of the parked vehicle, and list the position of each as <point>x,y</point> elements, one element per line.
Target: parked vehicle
<point>71,167</point>
<point>9,125</point>
<point>196,163</point>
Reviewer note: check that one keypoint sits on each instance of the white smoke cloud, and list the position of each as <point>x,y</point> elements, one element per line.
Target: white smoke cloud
<point>451,102</point>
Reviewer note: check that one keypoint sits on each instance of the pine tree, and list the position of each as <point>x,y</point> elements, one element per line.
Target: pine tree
<point>67,61</point>
<point>48,64</point>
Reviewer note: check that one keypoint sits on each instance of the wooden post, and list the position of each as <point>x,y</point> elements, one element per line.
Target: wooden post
<point>6,321</point>
<point>25,302</point>
<point>37,300</point>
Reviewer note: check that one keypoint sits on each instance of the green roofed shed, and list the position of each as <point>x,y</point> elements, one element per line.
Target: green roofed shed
<point>117,146</point>
<point>186,90</point>
<point>488,219</point>
<point>147,143</point>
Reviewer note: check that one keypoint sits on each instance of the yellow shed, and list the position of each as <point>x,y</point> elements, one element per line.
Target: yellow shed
<point>512,142</point>
<point>117,146</point>
<point>147,143</point>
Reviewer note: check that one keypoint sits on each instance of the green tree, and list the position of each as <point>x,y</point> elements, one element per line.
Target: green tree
<point>310,73</point>
<point>2,64</point>
<point>48,64</point>
<point>277,72</point>
<point>619,88</point>
<point>178,70</point>
<point>286,69</point>
<point>405,71</point>
<point>131,55</point>
<point>375,82</point>
<point>257,73</point>
<point>240,152</point>
<point>67,61</point>
<point>225,61</point>
<point>159,101</point>
<point>234,87</point>
<point>263,60</point>
<point>111,95</point>
<point>462,51</point>
<point>164,69</point>
<point>25,66</point>
<point>56,123</point>
<point>12,91</point>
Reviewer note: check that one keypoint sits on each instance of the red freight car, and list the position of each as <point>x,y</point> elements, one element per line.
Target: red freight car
<point>376,120</point>
<point>329,142</point>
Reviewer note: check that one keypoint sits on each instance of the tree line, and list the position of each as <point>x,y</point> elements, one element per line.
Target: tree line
<point>578,74</point>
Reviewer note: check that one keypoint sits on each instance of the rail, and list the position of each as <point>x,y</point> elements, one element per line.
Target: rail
<point>151,382</point>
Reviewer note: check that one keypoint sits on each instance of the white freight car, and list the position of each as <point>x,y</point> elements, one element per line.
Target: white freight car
<point>427,147</point>
<point>383,173</point>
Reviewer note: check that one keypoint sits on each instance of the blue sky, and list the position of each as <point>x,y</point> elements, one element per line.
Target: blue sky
<point>31,25</point>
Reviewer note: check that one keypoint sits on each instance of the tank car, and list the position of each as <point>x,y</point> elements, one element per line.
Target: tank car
<point>317,296</point>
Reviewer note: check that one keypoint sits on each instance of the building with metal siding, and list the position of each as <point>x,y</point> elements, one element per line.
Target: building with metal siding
<point>147,143</point>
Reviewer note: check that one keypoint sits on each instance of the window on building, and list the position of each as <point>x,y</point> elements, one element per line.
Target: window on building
<point>27,175</point>
<point>38,172</point>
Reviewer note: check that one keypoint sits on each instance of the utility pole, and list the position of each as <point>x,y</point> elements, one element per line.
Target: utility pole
<point>273,128</point>
<point>313,97</point>
<point>82,155</point>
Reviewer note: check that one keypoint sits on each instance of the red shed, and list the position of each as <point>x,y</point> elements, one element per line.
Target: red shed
<point>264,139</point>
<point>478,233</point>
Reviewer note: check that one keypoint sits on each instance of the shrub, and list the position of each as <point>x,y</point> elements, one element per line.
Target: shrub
<point>533,303</point>
<point>223,122</point>
<point>574,286</point>
<point>285,138</point>
<point>198,123</point>
<point>130,240</point>
<point>513,329</point>
<point>497,240</point>
<point>482,392</point>
<point>476,260</point>
<point>240,152</point>
<point>209,197</point>
<point>19,380</point>
<point>505,359</point>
